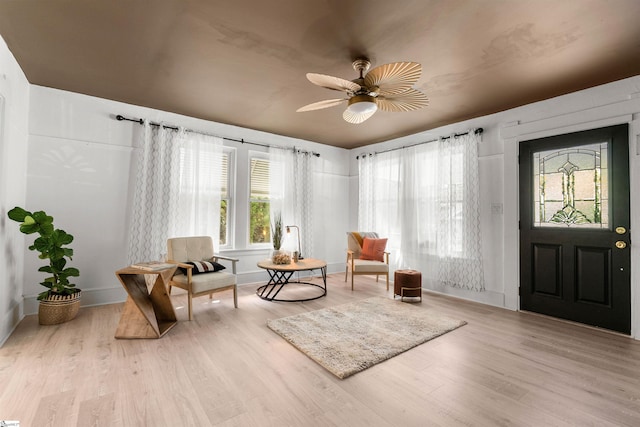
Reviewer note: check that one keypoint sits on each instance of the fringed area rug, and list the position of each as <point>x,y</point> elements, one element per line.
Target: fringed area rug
<point>352,337</point>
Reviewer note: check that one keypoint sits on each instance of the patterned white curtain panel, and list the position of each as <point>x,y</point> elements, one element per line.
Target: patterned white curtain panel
<point>177,189</point>
<point>291,192</point>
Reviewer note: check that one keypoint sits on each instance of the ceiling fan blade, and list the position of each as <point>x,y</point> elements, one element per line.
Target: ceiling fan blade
<point>334,83</point>
<point>393,78</point>
<point>356,118</point>
<point>409,100</point>
<point>321,104</point>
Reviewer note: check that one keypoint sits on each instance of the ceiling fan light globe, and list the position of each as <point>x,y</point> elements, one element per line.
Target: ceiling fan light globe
<point>361,104</point>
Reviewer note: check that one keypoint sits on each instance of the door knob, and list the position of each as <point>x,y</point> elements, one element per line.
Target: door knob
<point>620,244</point>
<point>621,230</point>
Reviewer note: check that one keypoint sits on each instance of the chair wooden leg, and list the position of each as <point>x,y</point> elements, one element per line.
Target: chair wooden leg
<point>352,280</point>
<point>235,296</point>
<point>377,277</point>
<point>346,272</point>
<point>190,306</point>
<point>387,282</point>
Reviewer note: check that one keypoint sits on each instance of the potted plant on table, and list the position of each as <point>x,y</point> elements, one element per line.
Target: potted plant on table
<point>61,301</point>
<point>278,256</point>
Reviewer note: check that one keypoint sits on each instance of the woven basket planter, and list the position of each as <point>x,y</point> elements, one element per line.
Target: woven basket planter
<point>58,309</point>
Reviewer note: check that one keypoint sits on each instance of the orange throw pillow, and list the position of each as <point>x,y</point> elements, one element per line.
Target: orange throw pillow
<point>373,249</point>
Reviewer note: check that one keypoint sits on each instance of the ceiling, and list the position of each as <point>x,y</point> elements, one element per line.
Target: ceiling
<point>244,62</point>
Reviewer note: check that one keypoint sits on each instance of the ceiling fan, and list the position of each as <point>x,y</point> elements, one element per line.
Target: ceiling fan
<point>387,87</point>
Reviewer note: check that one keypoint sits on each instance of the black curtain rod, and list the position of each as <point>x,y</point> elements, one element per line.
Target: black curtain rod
<point>120,117</point>
<point>477,132</point>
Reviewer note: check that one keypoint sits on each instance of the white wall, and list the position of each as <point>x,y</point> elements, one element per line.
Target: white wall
<point>79,172</point>
<point>14,110</point>
<point>614,103</point>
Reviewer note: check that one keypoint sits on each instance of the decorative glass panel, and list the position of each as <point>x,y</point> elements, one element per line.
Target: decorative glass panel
<point>571,187</point>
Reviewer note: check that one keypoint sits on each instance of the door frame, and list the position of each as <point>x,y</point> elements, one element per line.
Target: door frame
<point>512,133</point>
<point>565,244</point>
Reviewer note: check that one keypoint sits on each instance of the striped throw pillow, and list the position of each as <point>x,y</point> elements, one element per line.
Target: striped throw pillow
<point>200,267</point>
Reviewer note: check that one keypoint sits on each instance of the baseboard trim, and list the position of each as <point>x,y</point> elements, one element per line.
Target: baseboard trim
<point>492,298</point>
<point>90,297</point>
<point>10,322</point>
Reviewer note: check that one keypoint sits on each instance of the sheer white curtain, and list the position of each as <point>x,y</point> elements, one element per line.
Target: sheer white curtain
<point>459,240</point>
<point>424,199</point>
<point>177,190</point>
<point>366,196</point>
<point>292,194</point>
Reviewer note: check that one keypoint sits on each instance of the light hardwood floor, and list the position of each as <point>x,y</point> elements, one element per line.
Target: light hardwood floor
<point>226,368</point>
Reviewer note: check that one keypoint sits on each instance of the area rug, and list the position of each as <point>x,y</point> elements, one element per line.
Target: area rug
<point>352,337</point>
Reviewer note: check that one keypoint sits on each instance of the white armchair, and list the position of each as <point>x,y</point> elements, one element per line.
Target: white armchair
<point>357,266</point>
<point>200,278</point>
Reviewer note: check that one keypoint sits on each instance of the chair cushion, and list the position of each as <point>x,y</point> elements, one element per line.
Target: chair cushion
<point>200,267</point>
<point>369,266</point>
<point>373,249</point>
<point>207,282</point>
<point>183,249</point>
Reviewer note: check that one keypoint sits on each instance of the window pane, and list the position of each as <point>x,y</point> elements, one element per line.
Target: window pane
<point>224,178</point>
<point>224,199</point>
<point>259,179</point>
<point>571,187</point>
<point>223,222</point>
<point>260,225</point>
<point>259,219</point>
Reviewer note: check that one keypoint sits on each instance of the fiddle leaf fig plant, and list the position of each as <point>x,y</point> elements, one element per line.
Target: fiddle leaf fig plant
<point>51,244</point>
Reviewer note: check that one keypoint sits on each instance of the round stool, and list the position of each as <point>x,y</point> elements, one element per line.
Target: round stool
<point>407,283</point>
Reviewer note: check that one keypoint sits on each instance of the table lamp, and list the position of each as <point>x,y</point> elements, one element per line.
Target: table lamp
<point>299,247</point>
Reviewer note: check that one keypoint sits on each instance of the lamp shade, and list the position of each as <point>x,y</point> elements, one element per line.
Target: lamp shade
<point>362,104</point>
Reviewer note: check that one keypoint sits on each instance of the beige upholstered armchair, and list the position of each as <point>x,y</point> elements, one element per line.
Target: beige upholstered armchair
<point>374,262</point>
<point>199,272</point>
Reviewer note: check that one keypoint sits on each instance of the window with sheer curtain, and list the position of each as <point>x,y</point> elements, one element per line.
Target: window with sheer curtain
<point>177,189</point>
<point>424,199</point>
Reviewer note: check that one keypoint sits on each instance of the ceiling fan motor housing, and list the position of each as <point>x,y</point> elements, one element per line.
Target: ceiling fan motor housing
<point>362,104</point>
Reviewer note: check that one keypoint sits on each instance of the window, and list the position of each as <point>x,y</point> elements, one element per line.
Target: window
<point>570,187</point>
<point>226,206</point>
<point>259,201</point>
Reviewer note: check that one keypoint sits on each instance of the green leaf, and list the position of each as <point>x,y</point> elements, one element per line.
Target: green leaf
<point>59,264</point>
<point>72,272</point>
<point>18,214</point>
<point>61,238</point>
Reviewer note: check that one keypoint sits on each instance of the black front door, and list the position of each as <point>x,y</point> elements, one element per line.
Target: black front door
<point>575,258</point>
